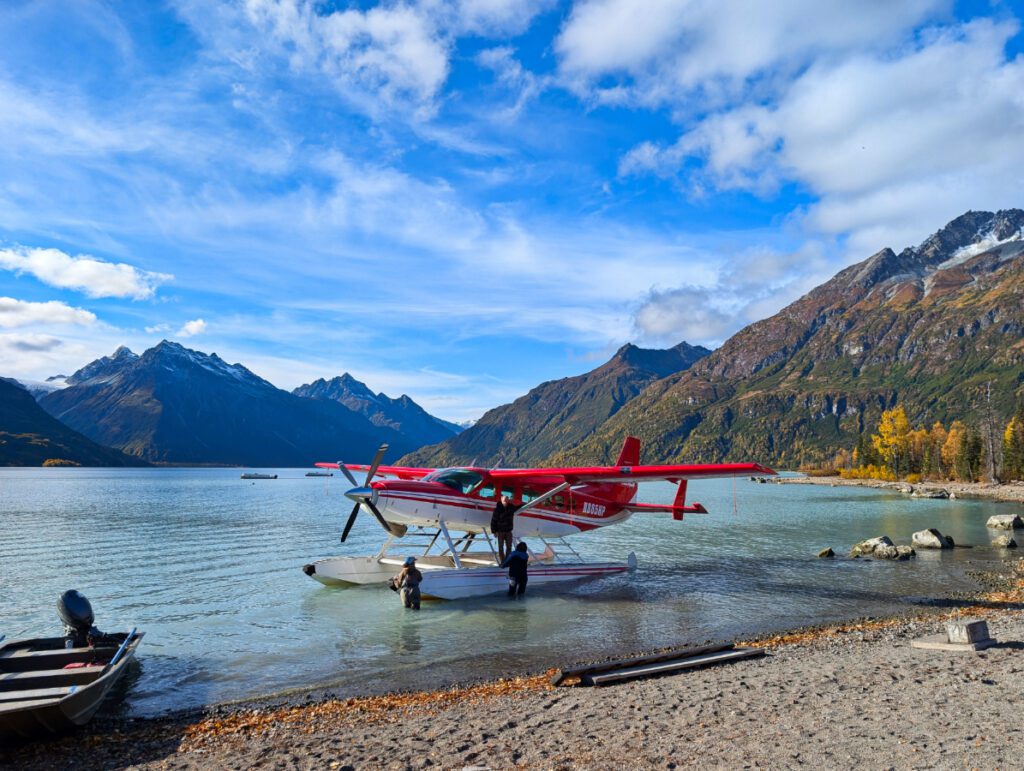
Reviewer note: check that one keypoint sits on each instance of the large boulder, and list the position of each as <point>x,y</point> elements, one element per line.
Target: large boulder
<point>931,539</point>
<point>826,552</point>
<point>1005,522</point>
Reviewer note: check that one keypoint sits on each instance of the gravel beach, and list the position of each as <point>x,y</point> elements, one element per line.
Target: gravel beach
<point>835,697</point>
<point>1012,492</point>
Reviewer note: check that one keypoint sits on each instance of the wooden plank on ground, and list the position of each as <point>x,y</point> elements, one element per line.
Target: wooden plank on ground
<point>652,658</point>
<point>692,662</point>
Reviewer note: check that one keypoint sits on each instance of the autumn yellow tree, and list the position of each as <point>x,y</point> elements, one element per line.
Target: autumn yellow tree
<point>892,442</point>
<point>1013,447</point>
<point>937,465</point>
<point>951,447</point>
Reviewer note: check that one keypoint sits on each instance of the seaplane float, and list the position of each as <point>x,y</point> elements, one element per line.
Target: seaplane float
<point>442,517</point>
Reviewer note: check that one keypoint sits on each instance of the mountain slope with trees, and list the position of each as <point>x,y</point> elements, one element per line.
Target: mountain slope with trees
<point>31,437</point>
<point>938,328</point>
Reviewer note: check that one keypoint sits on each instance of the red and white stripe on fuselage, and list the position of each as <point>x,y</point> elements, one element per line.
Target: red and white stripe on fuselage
<point>426,504</point>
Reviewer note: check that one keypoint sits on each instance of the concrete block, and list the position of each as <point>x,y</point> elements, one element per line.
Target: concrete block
<point>964,631</point>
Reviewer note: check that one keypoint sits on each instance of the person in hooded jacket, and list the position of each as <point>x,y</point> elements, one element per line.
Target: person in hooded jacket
<point>503,521</point>
<point>408,583</point>
<point>517,562</point>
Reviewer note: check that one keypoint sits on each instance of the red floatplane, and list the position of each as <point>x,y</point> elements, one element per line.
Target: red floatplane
<point>442,517</point>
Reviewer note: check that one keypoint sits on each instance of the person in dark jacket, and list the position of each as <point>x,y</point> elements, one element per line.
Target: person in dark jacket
<point>408,583</point>
<point>517,562</point>
<point>502,523</point>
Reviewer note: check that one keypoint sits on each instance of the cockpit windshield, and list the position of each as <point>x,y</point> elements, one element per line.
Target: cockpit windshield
<point>459,479</point>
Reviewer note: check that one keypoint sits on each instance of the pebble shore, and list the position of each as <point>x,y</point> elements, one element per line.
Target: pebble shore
<point>1012,492</point>
<point>836,697</point>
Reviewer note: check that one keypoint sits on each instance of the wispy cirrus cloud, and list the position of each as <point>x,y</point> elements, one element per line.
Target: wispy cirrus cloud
<point>83,273</point>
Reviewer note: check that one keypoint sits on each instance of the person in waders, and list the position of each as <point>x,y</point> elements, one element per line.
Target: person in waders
<point>408,583</point>
<point>517,562</point>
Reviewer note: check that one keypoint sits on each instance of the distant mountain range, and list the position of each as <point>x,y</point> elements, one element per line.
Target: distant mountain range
<point>559,413</point>
<point>937,328</point>
<point>401,414</point>
<point>929,328</point>
<point>30,437</point>
<point>176,405</point>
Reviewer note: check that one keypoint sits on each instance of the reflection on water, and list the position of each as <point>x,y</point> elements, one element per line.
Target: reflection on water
<point>209,566</point>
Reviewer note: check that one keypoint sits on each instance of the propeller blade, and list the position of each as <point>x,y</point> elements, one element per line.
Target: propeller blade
<point>348,474</point>
<point>376,462</point>
<point>391,527</point>
<point>351,521</point>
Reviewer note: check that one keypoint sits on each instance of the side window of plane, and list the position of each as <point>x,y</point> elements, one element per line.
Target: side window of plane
<point>487,491</point>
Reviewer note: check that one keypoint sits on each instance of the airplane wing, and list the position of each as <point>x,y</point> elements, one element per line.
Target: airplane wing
<point>670,473</point>
<point>402,472</point>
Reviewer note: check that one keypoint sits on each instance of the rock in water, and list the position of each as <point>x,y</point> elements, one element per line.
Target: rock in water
<point>905,552</point>
<point>1004,542</point>
<point>882,548</point>
<point>931,539</point>
<point>867,548</point>
<point>827,552</point>
<point>1005,522</point>
<point>919,493</point>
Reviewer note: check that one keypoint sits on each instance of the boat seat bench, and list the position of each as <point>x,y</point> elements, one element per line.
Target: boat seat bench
<point>37,693</point>
<point>48,678</point>
<point>27,660</point>
<point>9,706</point>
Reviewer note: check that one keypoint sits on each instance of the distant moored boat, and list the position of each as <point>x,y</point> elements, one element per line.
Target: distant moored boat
<point>259,476</point>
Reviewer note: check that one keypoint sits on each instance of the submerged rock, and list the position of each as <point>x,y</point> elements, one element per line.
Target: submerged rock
<point>1005,522</point>
<point>931,539</point>
<point>827,552</point>
<point>1004,542</point>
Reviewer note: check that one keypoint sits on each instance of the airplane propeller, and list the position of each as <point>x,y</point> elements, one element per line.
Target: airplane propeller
<point>363,496</point>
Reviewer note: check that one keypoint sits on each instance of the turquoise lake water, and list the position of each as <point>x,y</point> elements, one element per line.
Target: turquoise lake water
<point>210,567</point>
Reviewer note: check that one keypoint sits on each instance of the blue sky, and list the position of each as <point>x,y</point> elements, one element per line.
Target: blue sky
<point>458,200</point>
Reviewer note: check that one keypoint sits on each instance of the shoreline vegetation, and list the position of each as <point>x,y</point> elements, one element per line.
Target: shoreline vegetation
<point>835,695</point>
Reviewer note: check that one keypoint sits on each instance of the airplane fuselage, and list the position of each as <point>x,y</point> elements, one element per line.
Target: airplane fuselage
<point>427,503</point>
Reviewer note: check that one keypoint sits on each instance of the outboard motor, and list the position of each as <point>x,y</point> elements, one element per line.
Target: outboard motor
<point>76,613</point>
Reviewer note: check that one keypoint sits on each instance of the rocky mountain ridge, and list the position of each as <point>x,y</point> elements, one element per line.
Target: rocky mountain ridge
<point>176,405</point>
<point>558,413</point>
<point>402,414</point>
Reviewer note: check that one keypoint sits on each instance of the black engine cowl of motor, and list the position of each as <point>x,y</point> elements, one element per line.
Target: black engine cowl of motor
<point>76,613</point>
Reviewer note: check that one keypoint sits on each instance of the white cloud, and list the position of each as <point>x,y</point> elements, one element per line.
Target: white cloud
<point>749,285</point>
<point>20,313</point>
<point>83,273</point>
<point>157,329</point>
<point>393,53</point>
<point>192,328</point>
<point>660,51</point>
<point>892,143</point>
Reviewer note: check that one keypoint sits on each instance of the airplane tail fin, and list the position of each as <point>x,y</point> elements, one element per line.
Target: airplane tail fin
<point>630,453</point>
